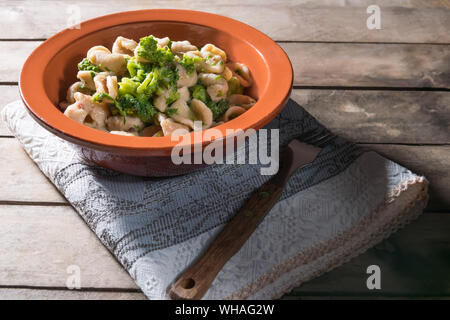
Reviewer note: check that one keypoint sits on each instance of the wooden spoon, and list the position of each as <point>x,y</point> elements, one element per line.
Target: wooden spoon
<point>196,281</point>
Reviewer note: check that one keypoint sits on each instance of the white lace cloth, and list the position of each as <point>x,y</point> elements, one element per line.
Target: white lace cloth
<point>304,235</point>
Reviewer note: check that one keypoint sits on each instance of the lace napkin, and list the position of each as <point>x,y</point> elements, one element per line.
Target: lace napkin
<point>348,200</point>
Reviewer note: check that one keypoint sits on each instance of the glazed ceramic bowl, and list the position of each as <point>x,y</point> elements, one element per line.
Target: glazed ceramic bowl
<point>52,68</point>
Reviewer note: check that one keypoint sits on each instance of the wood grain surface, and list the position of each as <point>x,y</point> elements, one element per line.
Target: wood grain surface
<point>325,21</point>
<point>386,89</point>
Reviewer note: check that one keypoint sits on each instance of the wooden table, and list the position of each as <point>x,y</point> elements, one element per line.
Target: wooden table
<point>387,89</point>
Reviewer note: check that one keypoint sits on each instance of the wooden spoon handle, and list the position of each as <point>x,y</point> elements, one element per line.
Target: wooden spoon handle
<point>194,283</point>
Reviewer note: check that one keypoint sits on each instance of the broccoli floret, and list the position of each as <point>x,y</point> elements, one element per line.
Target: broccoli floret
<point>173,96</point>
<point>146,111</point>
<point>148,49</point>
<point>128,86</point>
<point>218,108</point>
<point>199,92</point>
<point>189,63</point>
<point>139,106</point>
<point>146,80</point>
<point>168,76</point>
<point>150,84</point>
<point>128,103</point>
<point>137,69</point>
<point>132,67</point>
<point>86,65</point>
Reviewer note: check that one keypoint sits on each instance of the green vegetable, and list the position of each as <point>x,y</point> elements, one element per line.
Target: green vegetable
<point>173,96</point>
<point>128,86</point>
<point>199,92</point>
<point>171,111</point>
<point>138,106</point>
<point>150,84</point>
<point>98,97</point>
<point>168,76</point>
<point>218,108</point>
<point>189,63</point>
<point>148,49</point>
<point>138,69</point>
<point>86,65</point>
<point>146,110</point>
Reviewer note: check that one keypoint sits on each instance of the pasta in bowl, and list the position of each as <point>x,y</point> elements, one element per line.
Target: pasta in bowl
<point>104,92</point>
<point>157,87</point>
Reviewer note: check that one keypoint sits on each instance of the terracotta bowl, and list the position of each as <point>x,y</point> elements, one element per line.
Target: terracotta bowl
<point>52,68</point>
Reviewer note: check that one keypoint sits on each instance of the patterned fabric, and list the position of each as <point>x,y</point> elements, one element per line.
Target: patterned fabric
<point>157,226</point>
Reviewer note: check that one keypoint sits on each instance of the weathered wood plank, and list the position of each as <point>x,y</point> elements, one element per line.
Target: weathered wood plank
<point>413,261</point>
<point>21,179</point>
<point>382,65</point>
<point>14,54</point>
<point>24,182</point>
<point>323,64</point>
<point>373,116</point>
<point>41,294</point>
<point>39,243</point>
<point>7,95</point>
<point>401,21</point>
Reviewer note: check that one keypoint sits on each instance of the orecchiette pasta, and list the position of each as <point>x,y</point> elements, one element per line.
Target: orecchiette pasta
<point>227,74</point>
<point>232,113</point>
<point>241,100</point>
<point>216,85</point>
<point>168,126</point>
<point>88,112</point>
<point>185,95</point>
<point>241,72</point>
<point>106,84</point>
<point>212,63</point>
<point>210,49</point>
<point>186,79</point>
<point>164,42</point>
<point>183,113</point>
<point>157,87</point>
<point>160,101</point>
<point>76,87</point>
<point>117,123</point>
<point>202,113</point>
<point>107,61</point>
<point>182,47</point>
<point>124,46</point>
<point>87,79</point>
